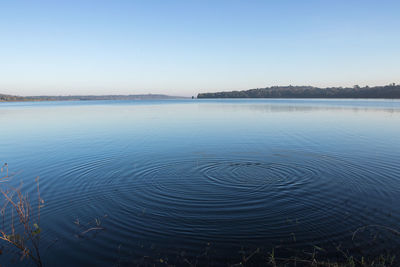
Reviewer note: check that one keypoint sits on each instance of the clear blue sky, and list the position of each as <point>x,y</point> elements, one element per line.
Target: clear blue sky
<point>186,47</point>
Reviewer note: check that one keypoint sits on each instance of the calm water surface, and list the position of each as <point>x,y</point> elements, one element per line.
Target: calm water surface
<point>179,180</point>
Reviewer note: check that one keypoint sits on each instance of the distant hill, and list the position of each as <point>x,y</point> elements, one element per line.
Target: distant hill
<point>4,98</point>
<point>388,91</point>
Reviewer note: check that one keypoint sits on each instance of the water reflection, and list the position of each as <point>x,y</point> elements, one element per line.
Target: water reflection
<point>176,177</point>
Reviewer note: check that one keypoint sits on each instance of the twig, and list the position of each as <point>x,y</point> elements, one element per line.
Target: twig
<point>92,229</point>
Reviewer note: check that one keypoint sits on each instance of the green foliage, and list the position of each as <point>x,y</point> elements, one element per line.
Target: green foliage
<point>389,91</point>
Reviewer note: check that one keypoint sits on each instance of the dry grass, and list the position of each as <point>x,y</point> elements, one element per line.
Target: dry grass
<point>22,230</point>
<point>4,172</point>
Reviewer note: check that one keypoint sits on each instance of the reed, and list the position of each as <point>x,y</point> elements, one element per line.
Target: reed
<point>21,229</point>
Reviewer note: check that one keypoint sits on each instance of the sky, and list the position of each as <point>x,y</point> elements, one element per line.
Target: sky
<point>187,47</point>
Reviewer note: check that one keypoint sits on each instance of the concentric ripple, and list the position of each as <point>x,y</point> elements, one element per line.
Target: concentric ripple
<point>246,199</point>
<point>280,197</point>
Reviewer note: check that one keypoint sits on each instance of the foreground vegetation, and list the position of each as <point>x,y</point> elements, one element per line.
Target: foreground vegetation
<point>388,91</point>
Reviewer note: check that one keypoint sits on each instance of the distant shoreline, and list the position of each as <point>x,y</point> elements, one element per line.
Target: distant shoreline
<point>391,91</point>
<point>12,98</point>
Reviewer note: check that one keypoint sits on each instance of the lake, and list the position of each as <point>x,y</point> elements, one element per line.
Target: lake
<point>207,181</point>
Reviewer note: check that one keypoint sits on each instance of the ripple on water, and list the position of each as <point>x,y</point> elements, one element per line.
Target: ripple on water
<point>243,196</point>
<point>285,196</point>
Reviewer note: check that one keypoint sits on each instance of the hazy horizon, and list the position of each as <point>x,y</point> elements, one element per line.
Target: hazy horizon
<point>184,48</point>
<point>183,96</point>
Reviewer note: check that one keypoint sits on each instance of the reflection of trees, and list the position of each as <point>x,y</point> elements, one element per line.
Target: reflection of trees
<point>280,105</point>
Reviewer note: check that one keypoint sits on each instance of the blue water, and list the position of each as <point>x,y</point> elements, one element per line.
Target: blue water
<point>206,180</point>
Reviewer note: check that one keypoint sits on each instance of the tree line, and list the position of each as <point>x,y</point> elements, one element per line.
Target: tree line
<point>387,91</point>
<point>6,98</point>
